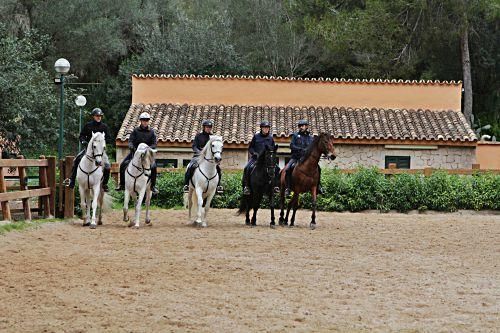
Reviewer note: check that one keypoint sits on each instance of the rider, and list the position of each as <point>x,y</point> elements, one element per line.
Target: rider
<point>258,144</point>
<point>141,134</point>
<point>93,126</point>
<point>300,141</point>
<point>200,140</point>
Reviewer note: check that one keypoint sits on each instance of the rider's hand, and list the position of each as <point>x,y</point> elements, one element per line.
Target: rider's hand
<point>255,155</point>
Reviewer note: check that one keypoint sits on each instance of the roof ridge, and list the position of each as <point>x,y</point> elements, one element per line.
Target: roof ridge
<point>291,106</point>
<point>286,78</point>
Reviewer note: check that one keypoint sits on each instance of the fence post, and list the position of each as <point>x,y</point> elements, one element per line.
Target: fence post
<point>51,178</point>
<point>5,204</point>
<point>115,172</point>
<point>44,183</point>
<point>23,185</point>
<point>427,172</point>
<point>69,193</point>
<point>476,166</point>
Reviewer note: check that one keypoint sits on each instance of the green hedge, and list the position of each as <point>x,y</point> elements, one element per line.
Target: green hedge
<point>365,189</point>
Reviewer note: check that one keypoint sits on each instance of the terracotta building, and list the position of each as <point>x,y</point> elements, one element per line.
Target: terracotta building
<point>414,124</point>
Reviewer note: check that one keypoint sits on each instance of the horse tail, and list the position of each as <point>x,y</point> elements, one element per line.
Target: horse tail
<point>243,205</point>
<point>186,200</point>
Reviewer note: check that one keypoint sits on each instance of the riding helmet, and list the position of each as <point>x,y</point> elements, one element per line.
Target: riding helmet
<point>97,112</point>
<point>303,122</point>
<point>207,122</point>
<point>265,123</point>
<point>144,116</point>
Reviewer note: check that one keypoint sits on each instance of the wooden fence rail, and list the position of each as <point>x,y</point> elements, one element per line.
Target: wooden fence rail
<point>45,191</point>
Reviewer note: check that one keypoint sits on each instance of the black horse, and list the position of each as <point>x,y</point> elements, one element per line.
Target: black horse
<point>263,180</point>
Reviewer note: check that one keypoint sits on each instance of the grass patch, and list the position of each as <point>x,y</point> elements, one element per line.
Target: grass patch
<point>23,225</point>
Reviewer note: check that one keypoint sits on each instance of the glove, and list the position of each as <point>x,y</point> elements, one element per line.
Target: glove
<point>132,149</point>
<point>255,155</point>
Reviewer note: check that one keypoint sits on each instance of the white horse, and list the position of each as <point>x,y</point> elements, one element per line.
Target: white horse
<point>204,182</point>
<point>89,177</point>
<point>138,184</point>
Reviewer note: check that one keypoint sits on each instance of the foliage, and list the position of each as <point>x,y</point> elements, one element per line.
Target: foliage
<point>366,189</point>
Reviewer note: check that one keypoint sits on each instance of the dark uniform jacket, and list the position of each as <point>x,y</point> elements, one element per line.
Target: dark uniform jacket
<point>259,143</point>
<point>200,140</point>
<point>94,126</point>
<point>299,144</point>
<point>140,135</point>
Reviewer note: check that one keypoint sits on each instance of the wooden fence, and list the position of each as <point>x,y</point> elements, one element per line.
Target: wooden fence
<point>45,191</point>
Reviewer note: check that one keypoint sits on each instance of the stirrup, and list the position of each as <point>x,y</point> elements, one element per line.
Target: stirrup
<point>288,192</point>
<point>154,190</point>
<point>220,189</point>
<point>276,189</point>
<point>185,189</point>
<point>66,182</point>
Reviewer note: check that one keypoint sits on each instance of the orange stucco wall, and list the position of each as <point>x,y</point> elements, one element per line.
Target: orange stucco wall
<point>488,155</point>
<point>278,92</point>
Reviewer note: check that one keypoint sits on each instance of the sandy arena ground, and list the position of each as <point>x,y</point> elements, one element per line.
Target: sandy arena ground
<point>355,273</point>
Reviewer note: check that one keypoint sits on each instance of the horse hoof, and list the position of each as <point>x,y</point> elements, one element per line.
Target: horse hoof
<point>131,224</point>
<point>126,219</point>
<point>148,222</point>
<point>253,225</point>
<point>136,227</point>
<point>204,225</point>
<point>291,226</point>
<point>86,224</point>
<point>312,226</point>
<point>247,223</point>
<point>93,226</point>
<point>99,223</point>
<point>272,226</point>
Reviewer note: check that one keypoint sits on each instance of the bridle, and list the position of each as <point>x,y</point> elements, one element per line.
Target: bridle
<point>92,159</point>
<point>212,160</point>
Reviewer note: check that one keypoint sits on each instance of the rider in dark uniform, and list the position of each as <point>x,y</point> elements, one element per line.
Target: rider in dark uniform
<point>141,134</point>
<point>258,144</point>
<point>200,140</point>
<point>95,126</point>
<point>300,141</point>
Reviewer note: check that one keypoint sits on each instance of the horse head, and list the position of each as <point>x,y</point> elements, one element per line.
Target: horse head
<point>96,147</point>
<point>146,155</point>
<point>326,146</point>
<point>270,160</point>
<point>215,146</point>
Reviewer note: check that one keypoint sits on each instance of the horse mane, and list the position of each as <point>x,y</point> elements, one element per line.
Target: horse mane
<point>203,152</point>
<point>310,148</point>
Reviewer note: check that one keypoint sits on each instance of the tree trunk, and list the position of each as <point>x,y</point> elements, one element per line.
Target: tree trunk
<point>464,43</point>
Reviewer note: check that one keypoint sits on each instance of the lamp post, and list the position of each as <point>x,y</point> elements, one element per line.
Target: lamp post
<point>80,101</point>
<point>62,67</point>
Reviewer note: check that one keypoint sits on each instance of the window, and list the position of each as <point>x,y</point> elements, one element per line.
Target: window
<point>402,162</point>
<point>166,163</point>
<point>185,163</point>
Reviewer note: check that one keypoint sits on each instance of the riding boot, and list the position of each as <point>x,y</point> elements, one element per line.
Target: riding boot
<point>153,180</point>
<point>74,169</point>
<point>187,178</point>
<point>288,181</point>
<point>121,187</point>
<point>220,189</point>
<point>105,179</point>
<point>246,189</point>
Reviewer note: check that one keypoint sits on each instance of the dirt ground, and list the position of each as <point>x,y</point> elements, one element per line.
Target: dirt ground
<point>355,273</point>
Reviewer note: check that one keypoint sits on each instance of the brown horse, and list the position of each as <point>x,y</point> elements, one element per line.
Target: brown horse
<point>305,177</point>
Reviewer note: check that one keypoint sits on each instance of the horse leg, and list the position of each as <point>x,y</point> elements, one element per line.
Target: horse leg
<point>271,199</point>
<point>138,205</point>
<point>148,203</point>
<point>88,205</point>
<point>83,206</point>
<point>201,209</point>
<point>295,204</point>
<point>282,206</point>
<point>100,203</point>
<point>312,225</point>
<point>208,201</point>
<point>126,199</point>
<point>247,199</point>
<point>190,202</point>
<point>94,205</point>
<point>256,205</point>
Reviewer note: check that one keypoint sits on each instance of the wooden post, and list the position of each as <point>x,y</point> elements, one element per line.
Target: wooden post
<point>51,177</point>
<point>115,172</point>
<point>44,183</point>
<point>427,172</point>
<point>69,193</point>
<point>5,204</point>
<point>476,166</point>
<point>62,176</point>
<point>23,185</point>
